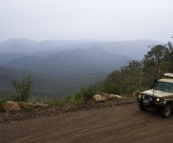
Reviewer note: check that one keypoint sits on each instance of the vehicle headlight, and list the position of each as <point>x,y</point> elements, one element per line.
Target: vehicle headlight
<point>143,96</point>
<point>150,98</point>
<point>157,99</point>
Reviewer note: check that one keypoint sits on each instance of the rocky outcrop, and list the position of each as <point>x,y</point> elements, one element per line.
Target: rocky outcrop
<point>99,98</point>
<point>110,96</point>
<point>42,105</point>
<point>10,106</point>
<point>27,106</point>
<point>105,96</point>
<point>114,96</point>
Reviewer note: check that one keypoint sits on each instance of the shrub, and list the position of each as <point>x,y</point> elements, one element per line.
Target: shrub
<point>88,92</point>
<point>77,98</point>
<point>54,102</point>
<point>23,88</point>
<point>111,88</point>
<point>9,97</point>
<point>131,89</point>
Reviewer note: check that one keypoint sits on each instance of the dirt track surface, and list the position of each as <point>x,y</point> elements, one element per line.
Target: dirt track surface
<point>117,124</point>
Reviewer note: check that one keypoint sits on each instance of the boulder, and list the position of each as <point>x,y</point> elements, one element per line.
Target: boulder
<point>118,96</point>
<point>27,106</point>
<point>99,98</point>
<point>110,96</point>
<point>11,106</point>
<point>105,95</point>
<point>115,96</point>
<point>42,105</point>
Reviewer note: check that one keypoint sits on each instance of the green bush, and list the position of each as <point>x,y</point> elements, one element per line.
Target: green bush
<point>77,98</point>
<point>23,88</point>
<point>88,92</point>
<point>54,102</point>
<point>111,88</point>
<point>32,99</point>
<point>131,89</point>
<point>9,97</point>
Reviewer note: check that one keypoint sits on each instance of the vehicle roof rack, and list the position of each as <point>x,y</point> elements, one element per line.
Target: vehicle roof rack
<point>168,75</point>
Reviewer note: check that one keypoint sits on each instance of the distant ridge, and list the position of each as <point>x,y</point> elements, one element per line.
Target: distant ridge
<point>127,48</point>
<point>93,59</point>
<point>60,67</point>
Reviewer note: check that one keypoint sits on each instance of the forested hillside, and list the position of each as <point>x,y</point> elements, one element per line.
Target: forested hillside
<point>140,75</point>
<point>47,86</point>
<point>65,72</point>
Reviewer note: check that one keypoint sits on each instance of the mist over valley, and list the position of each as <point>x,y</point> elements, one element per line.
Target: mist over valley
<point>60,67</point>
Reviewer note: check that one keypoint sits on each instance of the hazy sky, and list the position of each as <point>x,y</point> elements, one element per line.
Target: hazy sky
<point>113,20</point>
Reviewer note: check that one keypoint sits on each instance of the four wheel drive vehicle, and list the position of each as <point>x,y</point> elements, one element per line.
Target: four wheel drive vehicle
<point>160,96</point>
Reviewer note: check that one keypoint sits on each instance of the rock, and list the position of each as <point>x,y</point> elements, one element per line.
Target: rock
<point>105,95</point>
<point>11,106</point>
<point>113,96</point>
<point>99,98</point>
<point>118,96</point>
<point>42,105</point>
<point>110,96</point>
<point>27,106</point>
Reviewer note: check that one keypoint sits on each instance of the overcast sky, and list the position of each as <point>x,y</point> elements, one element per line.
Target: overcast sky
<point>113,20</point>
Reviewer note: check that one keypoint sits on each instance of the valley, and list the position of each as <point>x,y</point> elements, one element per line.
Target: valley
<point>60,68</point>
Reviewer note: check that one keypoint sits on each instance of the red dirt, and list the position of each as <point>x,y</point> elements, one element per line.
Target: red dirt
<point>117,124</point>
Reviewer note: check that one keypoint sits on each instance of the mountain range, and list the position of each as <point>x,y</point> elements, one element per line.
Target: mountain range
<point>91,60</point>
<point>61,67</point>
<point>133,49</point>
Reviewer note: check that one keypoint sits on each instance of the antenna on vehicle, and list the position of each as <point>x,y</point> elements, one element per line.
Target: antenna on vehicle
<point>141,77</point>
<point>157,63</point>
<point>140,80</point>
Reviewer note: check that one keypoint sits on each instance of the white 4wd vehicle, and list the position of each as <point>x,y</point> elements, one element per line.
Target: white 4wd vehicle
<point>160,96</point>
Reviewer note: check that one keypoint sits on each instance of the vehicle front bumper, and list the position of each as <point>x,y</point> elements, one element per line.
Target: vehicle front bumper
<point>150,102</point>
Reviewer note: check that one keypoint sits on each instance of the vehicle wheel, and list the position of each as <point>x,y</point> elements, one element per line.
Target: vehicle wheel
<point>142,106</point>
<point>166,111</point>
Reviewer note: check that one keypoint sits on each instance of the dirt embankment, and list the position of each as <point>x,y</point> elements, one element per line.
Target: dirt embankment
<point>121,123</point>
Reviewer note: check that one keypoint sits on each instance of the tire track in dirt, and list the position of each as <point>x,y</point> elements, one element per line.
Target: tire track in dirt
<point>125,123</point>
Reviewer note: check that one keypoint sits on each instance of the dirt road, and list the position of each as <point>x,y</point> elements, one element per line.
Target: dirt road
<point>121,124</point>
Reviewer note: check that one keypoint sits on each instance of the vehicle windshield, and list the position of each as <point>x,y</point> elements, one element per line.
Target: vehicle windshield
<point>164,86</point>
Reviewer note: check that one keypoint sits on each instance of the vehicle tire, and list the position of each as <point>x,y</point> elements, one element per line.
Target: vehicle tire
<point>142,106</point>
<point>166,111</point>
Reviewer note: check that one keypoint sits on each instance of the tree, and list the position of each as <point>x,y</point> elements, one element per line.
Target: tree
<point>126,80</point>
<point>24,88</point>
<point>131,76</point>
<point>139,75</point>
<point>156,62</point>
<point>88,92</point>
<point>157,53</point>
<point>111,88</point>
<point>169,58</point>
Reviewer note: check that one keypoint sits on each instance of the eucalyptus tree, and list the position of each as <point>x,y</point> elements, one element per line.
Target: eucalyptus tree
<point>24,88</point>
